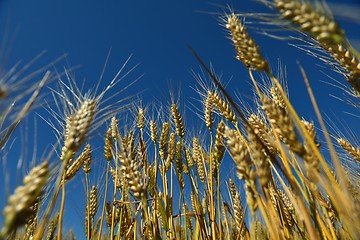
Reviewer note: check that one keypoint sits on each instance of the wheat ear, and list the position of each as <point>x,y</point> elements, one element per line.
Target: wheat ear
<point>349,148</point>
<point>20,204</point>
<point>315,22</point>
<point>247,50</point>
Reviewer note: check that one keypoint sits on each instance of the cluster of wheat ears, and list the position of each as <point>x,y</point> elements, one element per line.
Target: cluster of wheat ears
<point>163,182</point>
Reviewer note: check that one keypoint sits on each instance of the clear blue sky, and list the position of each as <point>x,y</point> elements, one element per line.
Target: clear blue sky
<point>156,33</point>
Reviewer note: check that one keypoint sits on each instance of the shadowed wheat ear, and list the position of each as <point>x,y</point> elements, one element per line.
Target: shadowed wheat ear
<point>164,136</point>
<point>208,105</point>
<point>180,129</point>
<point>179,164</point>
<point>25,196</point>
<point>219,148</point>
<point>171,152</point>
<point>152,183</point>
<point>247,50</point>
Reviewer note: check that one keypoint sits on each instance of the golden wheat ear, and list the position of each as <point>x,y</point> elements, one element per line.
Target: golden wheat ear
<point>19,206</point>
<point>246,49</point>
<point>349,148</point>
<point>316,22</point>
<point>132,169</point>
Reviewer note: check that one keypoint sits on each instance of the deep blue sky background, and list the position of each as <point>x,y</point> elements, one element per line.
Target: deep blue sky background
<point>156,33</point>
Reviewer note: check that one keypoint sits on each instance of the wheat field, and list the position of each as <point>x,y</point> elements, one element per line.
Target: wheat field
<point>259,171</point>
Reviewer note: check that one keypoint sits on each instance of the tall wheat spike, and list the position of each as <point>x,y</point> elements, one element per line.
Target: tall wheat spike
<point>247,50</point>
